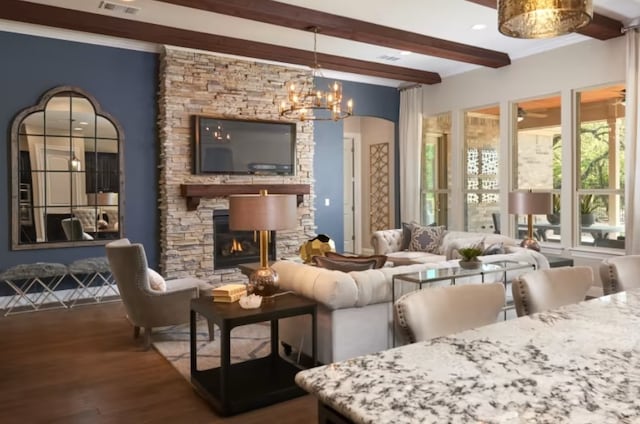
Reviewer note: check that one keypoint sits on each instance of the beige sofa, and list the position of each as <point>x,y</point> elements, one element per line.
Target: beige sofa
<point>354,308</point>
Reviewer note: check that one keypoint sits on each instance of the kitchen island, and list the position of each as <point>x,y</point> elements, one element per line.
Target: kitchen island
<point>575,364</point>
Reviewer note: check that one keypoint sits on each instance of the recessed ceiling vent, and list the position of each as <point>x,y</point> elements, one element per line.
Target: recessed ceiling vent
<point>389,58</point>
<point>118,8</point>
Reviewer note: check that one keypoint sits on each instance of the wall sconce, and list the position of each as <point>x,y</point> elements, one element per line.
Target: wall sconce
<point>74,164</point>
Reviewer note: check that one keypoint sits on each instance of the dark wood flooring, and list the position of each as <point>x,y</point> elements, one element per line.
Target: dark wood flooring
<point>83,366</point>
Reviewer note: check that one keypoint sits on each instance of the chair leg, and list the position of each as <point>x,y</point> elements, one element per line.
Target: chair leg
<point>136,331</point>
<point>147,338</point>
<point>211,330</point>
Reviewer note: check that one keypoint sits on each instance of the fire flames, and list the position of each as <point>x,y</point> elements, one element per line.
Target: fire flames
<point>236,246</point>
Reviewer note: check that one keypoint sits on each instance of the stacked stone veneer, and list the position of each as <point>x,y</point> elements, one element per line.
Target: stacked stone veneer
<point>194,83</point>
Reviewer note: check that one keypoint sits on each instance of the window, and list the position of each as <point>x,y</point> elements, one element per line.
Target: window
<point>435,175</point>
<point>481,147</point>
<point>538,144</point>
<point>600,167</point>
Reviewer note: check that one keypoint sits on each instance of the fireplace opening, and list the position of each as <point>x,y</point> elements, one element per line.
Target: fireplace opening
<point>232,248</point>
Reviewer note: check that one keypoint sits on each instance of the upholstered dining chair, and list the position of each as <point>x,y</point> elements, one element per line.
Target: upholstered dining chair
<point>438,311</point>
<point>147,308</point>
<point>620,273</point>
<point>73,229</point>
<point>537,291</point>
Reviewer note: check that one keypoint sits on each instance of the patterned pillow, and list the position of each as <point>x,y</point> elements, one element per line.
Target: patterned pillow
<point>494,249</point>
<point>380,259</point>
<point>344,265</point>
<point>426,239</point>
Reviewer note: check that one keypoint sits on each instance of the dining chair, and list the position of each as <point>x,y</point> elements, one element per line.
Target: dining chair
<point>545,289</point>
<point>439,311</point>
<point>147,308</point>
<point>620,273</point>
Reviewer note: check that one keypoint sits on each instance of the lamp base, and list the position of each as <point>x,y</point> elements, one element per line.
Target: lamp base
<point>263,282</point>
<point>530,244</point>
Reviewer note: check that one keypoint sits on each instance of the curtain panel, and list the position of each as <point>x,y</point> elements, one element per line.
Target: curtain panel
<point>410,147</point>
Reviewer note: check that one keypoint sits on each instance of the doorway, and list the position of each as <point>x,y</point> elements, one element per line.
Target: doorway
<point>351,189</point>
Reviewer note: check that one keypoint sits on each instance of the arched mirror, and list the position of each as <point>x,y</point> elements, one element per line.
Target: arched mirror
<point>67,173</point>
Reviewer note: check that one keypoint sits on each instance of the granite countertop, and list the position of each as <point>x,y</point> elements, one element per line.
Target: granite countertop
<point>577,364</point>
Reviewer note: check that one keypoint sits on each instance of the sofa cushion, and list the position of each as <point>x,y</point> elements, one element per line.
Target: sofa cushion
<point>334,289</point>
<point>406,235</point>
<point>494,249</point>
<point>344,264</point>
<point>380,259</point>
<point>426,238</point>
<point>408,258</point>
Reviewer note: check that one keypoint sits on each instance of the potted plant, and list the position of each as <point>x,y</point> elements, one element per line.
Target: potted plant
<point>469,257</point>
<point>587,207</point>
<point>554,217</point>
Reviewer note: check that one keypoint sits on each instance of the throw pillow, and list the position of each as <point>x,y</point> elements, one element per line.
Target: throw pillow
<point>380,259</point>
<point>156,282</point>
<point>343,265</point>
<point>426,239</point>
<point>494,249</point>
<point>406,235</point>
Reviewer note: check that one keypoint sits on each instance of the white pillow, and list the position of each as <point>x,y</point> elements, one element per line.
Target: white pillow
<point>156,281</point>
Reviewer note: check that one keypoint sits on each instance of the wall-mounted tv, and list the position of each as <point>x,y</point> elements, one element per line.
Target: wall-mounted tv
<point>235,146</point>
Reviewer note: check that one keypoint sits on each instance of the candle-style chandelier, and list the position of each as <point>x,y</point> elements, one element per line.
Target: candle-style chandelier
<point>306,102</point>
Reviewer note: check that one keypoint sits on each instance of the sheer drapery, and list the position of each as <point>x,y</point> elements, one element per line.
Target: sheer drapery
<point>632,159</point>
<point>410,141</point>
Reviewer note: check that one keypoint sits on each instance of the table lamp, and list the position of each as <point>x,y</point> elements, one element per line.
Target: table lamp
<point>263,213</point>
<point>529,203</point>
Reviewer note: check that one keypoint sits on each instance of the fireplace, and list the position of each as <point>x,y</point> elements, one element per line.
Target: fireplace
<point>232,248</point>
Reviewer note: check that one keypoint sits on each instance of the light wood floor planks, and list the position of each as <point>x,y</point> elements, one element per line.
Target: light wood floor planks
<point>83,366</point>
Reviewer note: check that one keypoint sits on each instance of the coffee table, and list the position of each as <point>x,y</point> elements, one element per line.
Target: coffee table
<point>234,388</point>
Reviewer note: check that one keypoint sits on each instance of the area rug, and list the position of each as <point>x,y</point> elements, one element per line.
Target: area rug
<point>247,342</point>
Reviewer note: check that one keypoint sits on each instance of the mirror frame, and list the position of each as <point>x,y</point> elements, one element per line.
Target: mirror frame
<point>15,177</point>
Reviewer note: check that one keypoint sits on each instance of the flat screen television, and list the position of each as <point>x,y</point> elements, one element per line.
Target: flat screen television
<point>235,146</point>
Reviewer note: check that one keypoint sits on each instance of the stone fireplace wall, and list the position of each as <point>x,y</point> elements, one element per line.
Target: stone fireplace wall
<point>201,83</point>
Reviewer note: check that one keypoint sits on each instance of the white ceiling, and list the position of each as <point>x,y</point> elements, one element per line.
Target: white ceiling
<point>447,19</point>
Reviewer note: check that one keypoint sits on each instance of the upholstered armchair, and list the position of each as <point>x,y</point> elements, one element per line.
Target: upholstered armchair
<point>620,273</point>
<point>147,308</point>
<point>73,229</point>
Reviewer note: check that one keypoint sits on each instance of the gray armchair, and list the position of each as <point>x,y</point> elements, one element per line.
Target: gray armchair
<point>73,229</point>
<point>145,307</point>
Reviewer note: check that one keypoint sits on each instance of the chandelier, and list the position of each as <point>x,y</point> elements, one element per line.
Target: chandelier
<point>542,18</point>
<point>306,102</point>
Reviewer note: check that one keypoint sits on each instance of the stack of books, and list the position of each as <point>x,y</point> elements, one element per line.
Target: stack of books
<point>229,293</point>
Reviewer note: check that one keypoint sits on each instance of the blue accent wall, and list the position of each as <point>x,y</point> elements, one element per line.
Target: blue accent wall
<point>370,100</point>
<point>124,82</point>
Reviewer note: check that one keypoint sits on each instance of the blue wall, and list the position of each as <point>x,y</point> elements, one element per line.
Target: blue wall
<point>370,100</point>
<point>124,82</point>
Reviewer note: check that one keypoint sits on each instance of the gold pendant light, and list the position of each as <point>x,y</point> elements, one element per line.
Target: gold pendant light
<point>542,18</point>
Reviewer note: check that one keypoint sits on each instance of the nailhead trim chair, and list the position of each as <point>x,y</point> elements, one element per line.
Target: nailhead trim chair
<point>544,289</point>
<point>438,311</point>
<point>620,273</point>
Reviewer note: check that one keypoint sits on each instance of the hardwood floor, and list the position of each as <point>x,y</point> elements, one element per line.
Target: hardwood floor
<point>83,366</point>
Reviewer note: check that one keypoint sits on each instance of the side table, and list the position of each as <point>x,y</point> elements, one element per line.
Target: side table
<point>234,388</point>
<point>558,261</point>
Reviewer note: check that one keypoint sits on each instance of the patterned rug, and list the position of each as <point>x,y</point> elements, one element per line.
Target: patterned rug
<point>247,342</point>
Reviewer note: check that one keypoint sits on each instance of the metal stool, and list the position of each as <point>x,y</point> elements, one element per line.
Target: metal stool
<point>94,281</point>
<point>34,284</point>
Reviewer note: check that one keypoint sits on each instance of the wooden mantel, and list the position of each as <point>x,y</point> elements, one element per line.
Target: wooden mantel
<point>194,192</point>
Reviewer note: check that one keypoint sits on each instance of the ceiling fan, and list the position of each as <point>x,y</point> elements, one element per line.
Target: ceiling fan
<point>522,114</point>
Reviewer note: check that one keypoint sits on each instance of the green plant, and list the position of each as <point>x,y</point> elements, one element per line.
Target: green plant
<point>556,203</point>
<point>587,204</point>
<point>470,253</point>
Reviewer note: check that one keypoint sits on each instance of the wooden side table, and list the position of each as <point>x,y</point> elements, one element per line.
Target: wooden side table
<point>234,388</point>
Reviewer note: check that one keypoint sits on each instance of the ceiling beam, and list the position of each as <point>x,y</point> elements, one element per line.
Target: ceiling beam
<point>301,18</point>
<point>34,13</point>
<point>600,27</point>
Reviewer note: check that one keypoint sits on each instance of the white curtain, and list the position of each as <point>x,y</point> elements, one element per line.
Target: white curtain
<point>410,140</point>
<point>632,159</point>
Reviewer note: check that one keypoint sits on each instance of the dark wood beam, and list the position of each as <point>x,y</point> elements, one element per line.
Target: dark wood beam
<point>601,27</point>
<point>34,13</point>
<point>301,18</point>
